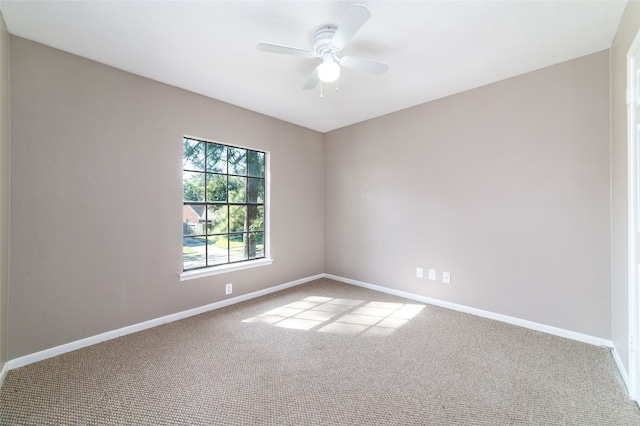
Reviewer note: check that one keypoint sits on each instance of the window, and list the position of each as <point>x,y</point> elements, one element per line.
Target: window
<point>223,212</point>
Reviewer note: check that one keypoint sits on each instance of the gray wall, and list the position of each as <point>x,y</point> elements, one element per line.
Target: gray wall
<point>619,284</point>
<point>5,155</point>
<point>506,187</point>
<point>97,187</point>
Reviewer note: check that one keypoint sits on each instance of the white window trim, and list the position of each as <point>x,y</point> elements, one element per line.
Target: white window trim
<point>223,269</point>
<point>247,264</point>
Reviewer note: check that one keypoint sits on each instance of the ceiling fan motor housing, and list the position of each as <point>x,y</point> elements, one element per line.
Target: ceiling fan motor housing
<point>322,40</point>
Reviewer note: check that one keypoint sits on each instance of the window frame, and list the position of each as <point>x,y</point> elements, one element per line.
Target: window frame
<point>242,264</point>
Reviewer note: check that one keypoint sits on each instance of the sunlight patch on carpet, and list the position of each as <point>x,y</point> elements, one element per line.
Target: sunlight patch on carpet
<point>340,316</point>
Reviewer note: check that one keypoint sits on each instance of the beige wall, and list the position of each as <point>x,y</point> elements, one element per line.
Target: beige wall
<point>506,187</point>
<point>619,284</point>
<point>97,189</point>
<point>5,155</point>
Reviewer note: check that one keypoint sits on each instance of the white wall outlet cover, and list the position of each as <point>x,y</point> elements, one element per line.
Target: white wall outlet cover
<point>432,274</point>
<point>228,289</point>
<point>419,272</point>
<point>446,277</point>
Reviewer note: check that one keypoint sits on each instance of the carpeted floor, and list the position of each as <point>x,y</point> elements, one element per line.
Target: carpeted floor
<point>324,353</point>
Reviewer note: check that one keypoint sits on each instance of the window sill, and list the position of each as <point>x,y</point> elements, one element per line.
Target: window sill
<point>223,269</point>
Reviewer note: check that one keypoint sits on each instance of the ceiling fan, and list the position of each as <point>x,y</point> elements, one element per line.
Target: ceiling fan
<point>327,42</point>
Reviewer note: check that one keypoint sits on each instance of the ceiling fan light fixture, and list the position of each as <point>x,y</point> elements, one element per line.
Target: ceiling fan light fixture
<point>329,70</point>
<point>327,42</point>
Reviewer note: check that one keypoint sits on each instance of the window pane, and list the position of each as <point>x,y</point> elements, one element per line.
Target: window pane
<point>217,219</point>
<point>237,161</point>
<point>256,245</point>
<point>217,250</point>
<point>192,219</point>
<point>255,190</point>
<point>237,247</point>
<point>255,162</point>
<point>216,158</point>
<point>193,252</point>
<point>255,218</point>
<point>193,186</point>
<point>237,189</point>
<point>216,188</point>
<point>192,154</point>
<point>224,192</point>
<point>237,218</point>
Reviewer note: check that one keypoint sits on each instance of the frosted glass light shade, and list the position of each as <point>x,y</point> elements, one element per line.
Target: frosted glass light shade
<point>329,71</point>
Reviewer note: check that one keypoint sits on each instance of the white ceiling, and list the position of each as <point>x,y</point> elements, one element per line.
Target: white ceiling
<point>433,48</point>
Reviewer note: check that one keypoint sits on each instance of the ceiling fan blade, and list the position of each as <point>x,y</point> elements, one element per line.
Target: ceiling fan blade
<point>365,65</point>
<point>355,18</point>
<point>276,48</point>
<point>313,80</point>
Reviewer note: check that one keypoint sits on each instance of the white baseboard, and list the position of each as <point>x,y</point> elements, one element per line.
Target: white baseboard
<point>78,344</point>
<point>3,373</point>
<point>479,312</point>
<point>623,372</point>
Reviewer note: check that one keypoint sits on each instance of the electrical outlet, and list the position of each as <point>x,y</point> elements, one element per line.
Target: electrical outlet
<point>228,289</point>
<point>432,274</point>
<point>446,277</point>
<point>419,272</point>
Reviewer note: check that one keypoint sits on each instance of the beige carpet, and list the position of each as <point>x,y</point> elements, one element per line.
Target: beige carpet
<point>324,353</point>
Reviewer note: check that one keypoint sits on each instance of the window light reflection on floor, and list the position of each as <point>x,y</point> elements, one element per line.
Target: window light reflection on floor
<point>340,316</point>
